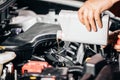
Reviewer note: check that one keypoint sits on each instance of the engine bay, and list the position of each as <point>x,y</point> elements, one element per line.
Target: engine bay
<point>29,48</point>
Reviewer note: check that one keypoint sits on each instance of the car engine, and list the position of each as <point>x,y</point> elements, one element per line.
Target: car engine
<point>29,49</point>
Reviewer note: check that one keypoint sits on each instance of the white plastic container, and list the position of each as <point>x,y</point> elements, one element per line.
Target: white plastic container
<point>74,31</point>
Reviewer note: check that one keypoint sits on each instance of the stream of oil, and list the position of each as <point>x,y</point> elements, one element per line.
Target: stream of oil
<point>58,46</point>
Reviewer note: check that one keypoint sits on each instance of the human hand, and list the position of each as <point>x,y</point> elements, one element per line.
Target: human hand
<point>114,40</point>
<point>89,13</point>
<point>117,45</point>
